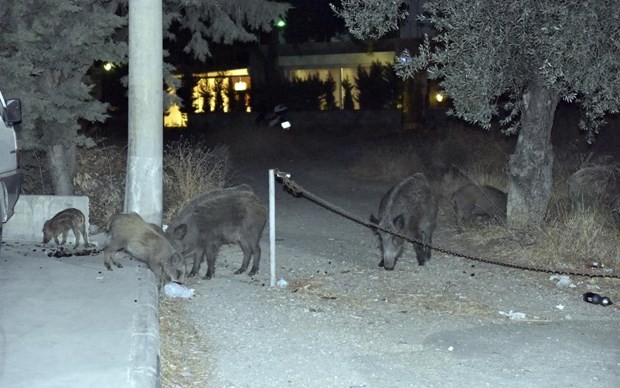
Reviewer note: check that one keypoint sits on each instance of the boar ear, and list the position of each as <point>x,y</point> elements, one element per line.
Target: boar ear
<point>179,232</point>
<point>399,222</point>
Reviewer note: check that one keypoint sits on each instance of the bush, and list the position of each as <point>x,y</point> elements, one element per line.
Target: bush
<point>190,169</point>
<point>378,87</point>
<point>101,177</point>
<point>348,95</point>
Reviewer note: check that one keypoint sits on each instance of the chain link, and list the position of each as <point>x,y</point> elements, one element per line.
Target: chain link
<point>297,191</point>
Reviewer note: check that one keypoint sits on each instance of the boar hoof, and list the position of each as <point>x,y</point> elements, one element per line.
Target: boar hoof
<point>239,271</point>
<point>381,263</point>
<point>207,276</point>
<point>252,272</point>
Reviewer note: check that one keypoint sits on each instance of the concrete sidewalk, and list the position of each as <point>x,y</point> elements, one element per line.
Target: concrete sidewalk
<point>68,322</point>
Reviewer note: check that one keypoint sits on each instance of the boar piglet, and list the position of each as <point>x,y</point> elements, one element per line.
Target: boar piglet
<point>65,220</point>
<point>144,242</point>
<point>473,202</point>
<point>226,216</point>
<point>410,209</point>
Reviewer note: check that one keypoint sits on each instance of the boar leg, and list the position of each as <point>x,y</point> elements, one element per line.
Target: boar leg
<point>210,253</point>
<point>256,260</point>
<point>65,233</point>
<point>84,236</point>
<point>76,233</point>
<point>198,259</point>
<point>247,253</point>
<point>110,256</point>
<point>157,267</point>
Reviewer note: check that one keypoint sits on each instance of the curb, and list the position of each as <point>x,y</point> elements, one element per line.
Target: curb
<point>144,363</point>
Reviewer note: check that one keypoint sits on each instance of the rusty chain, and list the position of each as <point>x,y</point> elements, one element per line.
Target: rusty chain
<point>297,191</point>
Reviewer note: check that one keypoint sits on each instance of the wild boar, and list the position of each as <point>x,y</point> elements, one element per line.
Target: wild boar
<point>213,193</point>
<point>145,242</point>
<point>410,209</point>
<point>472,202</point>
<point>228,216</point>
<point>65,220</point>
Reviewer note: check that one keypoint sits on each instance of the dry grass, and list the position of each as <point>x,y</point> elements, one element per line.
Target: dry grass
<point>101,177</point>
<point>389,162</point>
<point>36,179</point>
<point>569,239</point>
<point>461,155</point>
<point>184,363</point>
<point>577,237</point>
<point>190,170</point>
<point>361,295</point>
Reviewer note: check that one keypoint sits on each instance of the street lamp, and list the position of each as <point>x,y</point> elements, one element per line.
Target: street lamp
<point>280,23</point>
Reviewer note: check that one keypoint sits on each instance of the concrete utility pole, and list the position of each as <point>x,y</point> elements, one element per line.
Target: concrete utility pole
<point>143,190</point>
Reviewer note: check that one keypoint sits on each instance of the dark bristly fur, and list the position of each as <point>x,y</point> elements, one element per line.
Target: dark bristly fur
<point>410,209</point>
<point>144,242</point>
<point>227,216</point>
<point>471,202</point>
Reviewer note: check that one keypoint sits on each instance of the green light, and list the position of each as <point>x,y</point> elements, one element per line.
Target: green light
<point>280,23</point>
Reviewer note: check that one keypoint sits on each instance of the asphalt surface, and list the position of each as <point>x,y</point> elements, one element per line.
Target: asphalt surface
<point>68,322</point>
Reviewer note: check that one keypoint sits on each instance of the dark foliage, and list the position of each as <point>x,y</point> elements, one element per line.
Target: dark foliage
<point>378,87</point>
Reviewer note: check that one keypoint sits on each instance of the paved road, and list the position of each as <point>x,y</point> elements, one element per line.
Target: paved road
<point>68,322</point>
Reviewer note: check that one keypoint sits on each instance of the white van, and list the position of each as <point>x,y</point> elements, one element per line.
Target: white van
<point>10,173</point>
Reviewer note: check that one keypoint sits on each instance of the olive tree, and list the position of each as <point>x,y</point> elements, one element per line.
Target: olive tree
<point>514,62</point>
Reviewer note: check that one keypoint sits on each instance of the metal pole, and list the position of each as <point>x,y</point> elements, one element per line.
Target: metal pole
<point>272,227</point>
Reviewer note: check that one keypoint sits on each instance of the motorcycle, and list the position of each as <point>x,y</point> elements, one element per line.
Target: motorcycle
<point>276,118</point>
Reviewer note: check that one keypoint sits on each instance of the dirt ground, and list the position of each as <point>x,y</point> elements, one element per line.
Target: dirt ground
<point>342,321</point>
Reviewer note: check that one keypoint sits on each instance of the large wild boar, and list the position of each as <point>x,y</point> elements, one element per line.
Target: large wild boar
<point>65,220</point>
<point>472,202</point>
<point>145,242</point>
<point>227,216</point>
<point>410,209</point>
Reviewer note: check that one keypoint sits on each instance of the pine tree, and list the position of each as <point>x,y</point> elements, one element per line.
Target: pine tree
<point>46,49</point>
<point>48,46</point>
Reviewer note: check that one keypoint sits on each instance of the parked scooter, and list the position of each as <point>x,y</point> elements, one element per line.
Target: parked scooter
<point>276,118</point>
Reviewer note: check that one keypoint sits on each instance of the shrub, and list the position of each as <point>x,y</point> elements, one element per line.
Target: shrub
<point>378,87</point>
<point>348,95</point>
<point>306,94</point>
<point>329,87</point>
<point>101,177</point>
<point>389,162</point>
<point>37,178</point>
<point>576,236</point>
<point>191,169</point>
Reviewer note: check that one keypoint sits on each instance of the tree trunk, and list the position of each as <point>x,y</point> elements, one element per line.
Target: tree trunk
<point>531,165</point>
<point>63,167</point>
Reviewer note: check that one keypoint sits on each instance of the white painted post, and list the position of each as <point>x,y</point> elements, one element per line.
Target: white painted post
<point>272,227</point>
<point>143,192</point>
